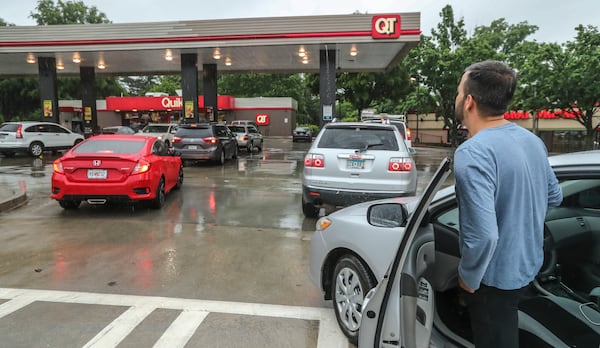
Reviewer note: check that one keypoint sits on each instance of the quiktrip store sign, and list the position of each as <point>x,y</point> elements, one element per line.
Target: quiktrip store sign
<point>168,103</point>
<point>385,27</point>
<point>262,119</point>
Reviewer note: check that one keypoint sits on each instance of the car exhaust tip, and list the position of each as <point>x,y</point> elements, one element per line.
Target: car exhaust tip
<point>96,201</point>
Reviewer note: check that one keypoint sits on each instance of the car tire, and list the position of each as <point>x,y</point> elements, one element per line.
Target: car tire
<point>235,153</point>
<point>179,179</point>
<point>260,147</point>
<point>69,204</point>
<point>77,141</point>
<point>350,283</point>
<point>221,159</point>
<point>250,147</point>
<point>159,199</point>
<point>309,209</point>
<point>36,149</point>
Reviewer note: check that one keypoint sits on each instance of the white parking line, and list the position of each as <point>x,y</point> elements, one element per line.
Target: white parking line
<point>193,313</point>
<point>181,330</point>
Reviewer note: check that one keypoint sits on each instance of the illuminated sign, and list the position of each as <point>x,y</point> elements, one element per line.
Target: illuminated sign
<point>385,27</point>
<point>262,119</point>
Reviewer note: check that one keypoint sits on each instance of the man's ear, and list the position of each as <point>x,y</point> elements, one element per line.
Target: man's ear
<point>470,103</point>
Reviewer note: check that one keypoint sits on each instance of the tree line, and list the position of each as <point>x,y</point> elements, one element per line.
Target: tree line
<point>552,76</point>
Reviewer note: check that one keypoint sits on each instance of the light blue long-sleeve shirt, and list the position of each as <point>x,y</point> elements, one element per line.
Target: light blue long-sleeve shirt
<point>504,186</point>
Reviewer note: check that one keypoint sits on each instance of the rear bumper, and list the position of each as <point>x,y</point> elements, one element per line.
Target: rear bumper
<point>341,198</point>
<point>133,189</point>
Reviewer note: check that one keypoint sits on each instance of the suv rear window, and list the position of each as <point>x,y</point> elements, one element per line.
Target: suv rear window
<point>359,138</point>
<point>196,132</point>
<point>9,127</point>
<point>238,129</point>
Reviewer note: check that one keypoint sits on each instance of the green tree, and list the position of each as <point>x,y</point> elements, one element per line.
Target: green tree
<point>168,84</point>
<point>69,12</point>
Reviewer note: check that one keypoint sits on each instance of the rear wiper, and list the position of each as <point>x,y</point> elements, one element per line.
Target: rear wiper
<point>368,146</point>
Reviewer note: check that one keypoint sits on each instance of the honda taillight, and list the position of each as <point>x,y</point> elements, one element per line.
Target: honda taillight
<point>313,160</point>
<point>19,134</point>
<point>57,166</point>
<point>211,140</point>
<point>408,136</point>
<point>246,138</point>
<point>141,166</point>
<point>400,165</point>
<point>176,139</point>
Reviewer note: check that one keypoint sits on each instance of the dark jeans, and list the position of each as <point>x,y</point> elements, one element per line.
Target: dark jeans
<point>494,316</point>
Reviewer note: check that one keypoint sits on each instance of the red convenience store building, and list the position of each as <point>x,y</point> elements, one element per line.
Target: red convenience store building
<point>275,116</point>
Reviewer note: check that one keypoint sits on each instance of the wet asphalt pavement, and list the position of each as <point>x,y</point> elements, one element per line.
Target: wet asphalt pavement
<point>228,252</point>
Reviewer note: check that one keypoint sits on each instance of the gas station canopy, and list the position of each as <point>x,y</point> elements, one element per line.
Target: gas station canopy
<point>362,42</point>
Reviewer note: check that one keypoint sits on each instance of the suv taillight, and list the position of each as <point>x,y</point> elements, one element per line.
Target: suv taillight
<point>19,134</point>
<point>211,140</point>
<point>400,165</point>
<point>408,136</point>
<point>246,138</point>
<point>313,160</point>
<point>177,139</point>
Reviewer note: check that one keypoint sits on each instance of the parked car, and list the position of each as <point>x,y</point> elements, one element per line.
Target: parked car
<point>402,128</point>
<point>35,138</point>
<point>247,136</point>
<point>360,248</point>
<point>116,168</point>
<point>352,162</point>
<point>163,131</point>
<point>118,130</point>
<point>205,141</point>
<point>301,133</point>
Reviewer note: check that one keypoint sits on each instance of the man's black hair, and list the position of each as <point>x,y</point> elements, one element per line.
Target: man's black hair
<point>492,85</point>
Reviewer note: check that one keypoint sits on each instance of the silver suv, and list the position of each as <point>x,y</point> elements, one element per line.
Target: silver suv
<point>35,137</point>
<point>352,162</point>
<point>248,136</point>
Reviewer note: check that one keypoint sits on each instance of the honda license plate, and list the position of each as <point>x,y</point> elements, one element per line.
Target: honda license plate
<point>193,147</point>
<point>97,174</point>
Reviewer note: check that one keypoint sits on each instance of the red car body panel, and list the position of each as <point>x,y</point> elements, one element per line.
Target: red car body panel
<point>117,180</point>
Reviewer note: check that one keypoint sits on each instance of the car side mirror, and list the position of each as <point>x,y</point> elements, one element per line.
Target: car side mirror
<point>387,215</point>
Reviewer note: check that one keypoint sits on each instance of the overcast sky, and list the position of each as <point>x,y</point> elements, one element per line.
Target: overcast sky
<point>556,20</point>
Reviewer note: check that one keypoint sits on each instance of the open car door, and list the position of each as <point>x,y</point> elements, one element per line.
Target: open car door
<point>399,311</point>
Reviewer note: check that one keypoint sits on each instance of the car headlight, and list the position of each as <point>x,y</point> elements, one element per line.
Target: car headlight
<point>323,223</point>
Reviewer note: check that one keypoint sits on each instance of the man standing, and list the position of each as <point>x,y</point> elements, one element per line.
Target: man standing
<point>504,186</point>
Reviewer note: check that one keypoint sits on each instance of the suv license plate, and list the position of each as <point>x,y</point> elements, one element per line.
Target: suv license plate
<point>355,164</point>
<point>96,174</point>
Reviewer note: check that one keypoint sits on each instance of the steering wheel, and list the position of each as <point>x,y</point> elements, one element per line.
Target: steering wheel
<point>550,256</point>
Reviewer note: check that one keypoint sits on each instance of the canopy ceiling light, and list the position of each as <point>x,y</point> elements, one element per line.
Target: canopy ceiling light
<point>217,54</point>
<point>302,52</point>
<point>76,58</point>
<point>30,58</point>
<point>168,55</point>
<point>228,61</point>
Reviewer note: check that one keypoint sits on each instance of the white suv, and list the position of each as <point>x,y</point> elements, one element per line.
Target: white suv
<point>163,131</point>
<point>352,162</point>
<point>35,137</point>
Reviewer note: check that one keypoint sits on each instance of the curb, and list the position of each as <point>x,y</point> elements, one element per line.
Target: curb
<point>14,200</point>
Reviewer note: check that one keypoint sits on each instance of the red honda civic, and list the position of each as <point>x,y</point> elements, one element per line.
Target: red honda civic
<point>116,168</point>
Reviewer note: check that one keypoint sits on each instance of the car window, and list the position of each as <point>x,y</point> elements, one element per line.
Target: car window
<point>238,129</point>
<point>159,148</point>
<point>359,138</point>
<point>56,129</point>
<point>251,129</point>
<point>156,129</point>
<point>221,131</point>
<point>201,132</point>
<point>9,127</point>
<point>37,128</point>
<point>110,146</point>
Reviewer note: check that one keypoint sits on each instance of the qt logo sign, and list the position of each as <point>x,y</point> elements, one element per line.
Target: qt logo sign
<point>385,27</point>
<point>262,119</point>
